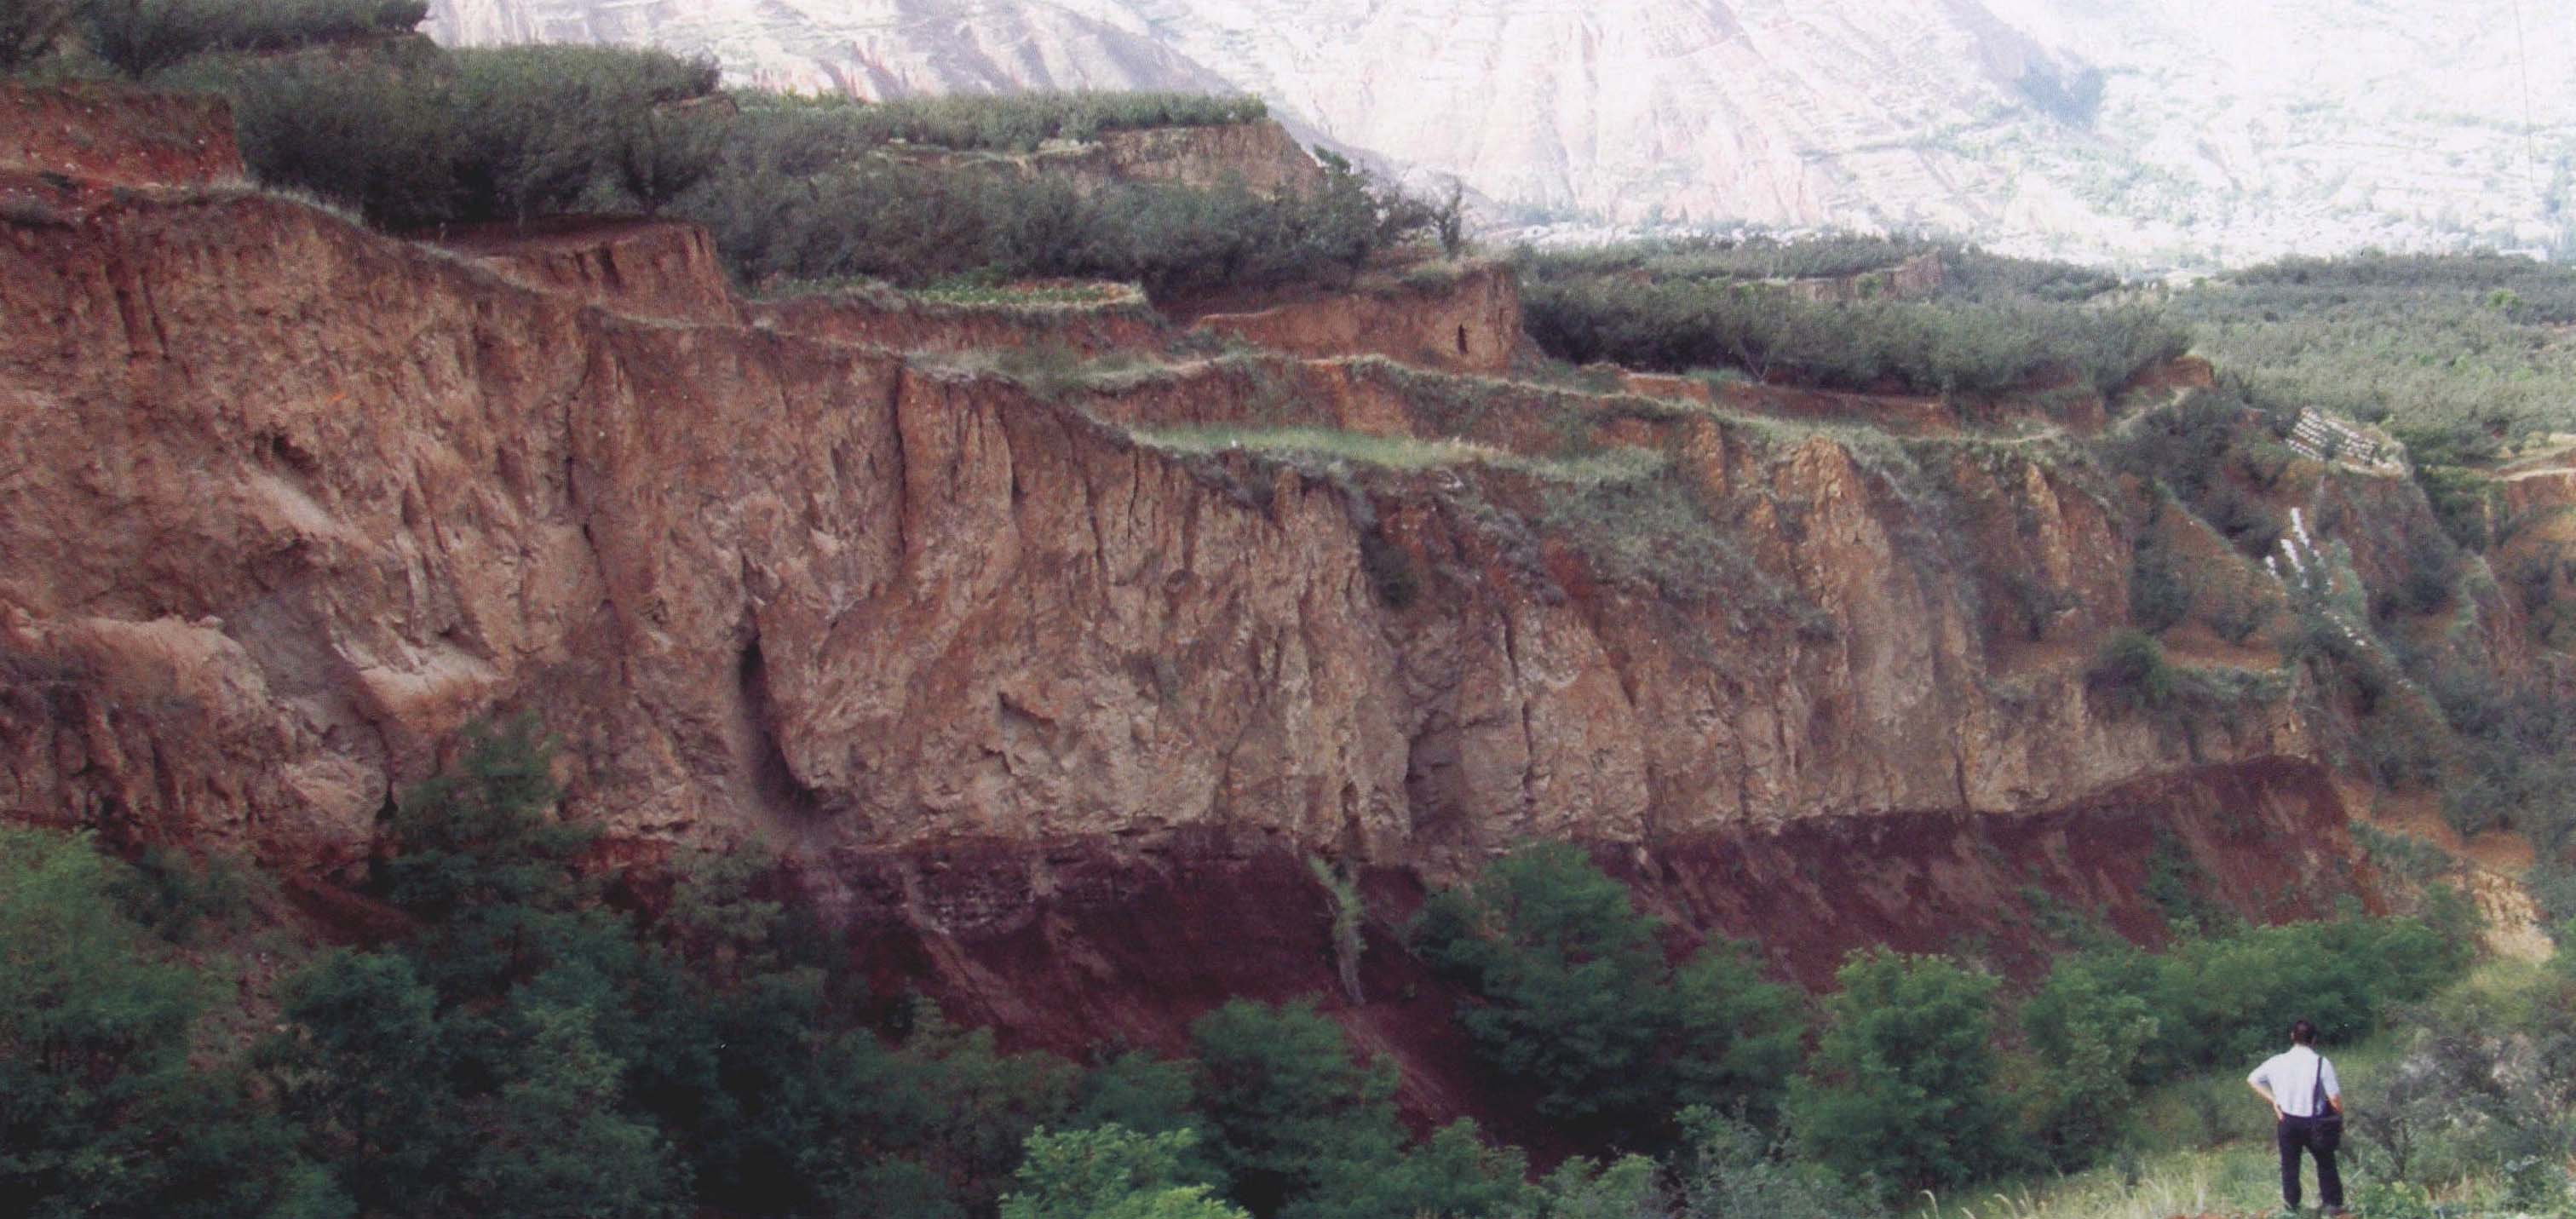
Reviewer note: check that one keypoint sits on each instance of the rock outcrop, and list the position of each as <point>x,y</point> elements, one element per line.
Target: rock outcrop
<point>1465,317</point>
<point>668,272</point>
<point>1010,670</point>
<point>116,137</point>
<point>1261,157</point>
<point>314,498</point>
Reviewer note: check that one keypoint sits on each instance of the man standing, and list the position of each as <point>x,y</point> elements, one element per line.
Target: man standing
<point>2301,1087</point>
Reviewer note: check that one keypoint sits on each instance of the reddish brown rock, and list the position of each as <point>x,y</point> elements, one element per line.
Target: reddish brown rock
<point>1261,157</point>
<point>641,268</point>
<point>1461,317</point>
<point>114,136</point>
<point>1048,717</point>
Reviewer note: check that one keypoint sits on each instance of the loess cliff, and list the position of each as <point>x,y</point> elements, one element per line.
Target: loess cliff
<point>1050,682</point>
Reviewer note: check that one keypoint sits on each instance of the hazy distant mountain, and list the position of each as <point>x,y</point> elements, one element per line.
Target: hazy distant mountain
<point>2151,131</point>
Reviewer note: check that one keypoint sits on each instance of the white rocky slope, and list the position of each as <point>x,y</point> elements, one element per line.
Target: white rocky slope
<point>2157,132</point>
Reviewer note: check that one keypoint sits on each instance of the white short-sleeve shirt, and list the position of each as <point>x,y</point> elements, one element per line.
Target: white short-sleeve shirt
<point>2292,1077</point>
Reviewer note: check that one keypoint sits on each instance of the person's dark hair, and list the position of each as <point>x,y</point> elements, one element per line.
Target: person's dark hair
<point>2303,1033</point>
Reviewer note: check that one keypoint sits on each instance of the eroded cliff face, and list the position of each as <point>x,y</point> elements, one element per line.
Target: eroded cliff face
<point>352,493</point>
<point>114,137</point>
<point>1461,317</point>
<point>1046,705</point>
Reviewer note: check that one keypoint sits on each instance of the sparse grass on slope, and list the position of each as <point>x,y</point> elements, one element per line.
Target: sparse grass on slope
<point>2232,1180</point>
<point>1403,452</point>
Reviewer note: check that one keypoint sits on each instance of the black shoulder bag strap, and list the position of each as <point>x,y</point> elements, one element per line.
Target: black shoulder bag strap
<point>2328,1124</point>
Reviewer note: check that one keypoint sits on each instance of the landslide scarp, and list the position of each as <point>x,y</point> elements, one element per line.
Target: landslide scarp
<point>1046,640</point>
<point>439,481</point>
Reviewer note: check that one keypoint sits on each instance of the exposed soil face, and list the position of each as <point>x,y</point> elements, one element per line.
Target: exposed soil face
<point>1048,713</point>
<point>643,268</point>
<point>1468,320</point>
<point>1261,157</point>
<point>114,136</point>
<point>1083,942</point>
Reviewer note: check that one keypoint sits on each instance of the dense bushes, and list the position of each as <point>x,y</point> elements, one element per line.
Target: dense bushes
<point>101,1111</point>
<point>141,37</point>
<point>1752,258</point>
<point>474,135</point>
<point>2131,672</point>
<point>793,189</point>
<point>1905,1092</point>
<point>1579,1008</point>
<point>2485,1090</point>
<point>523,1049</point>
<point>1968,273</point>
<point>1110,1172</point>
<point>1996,323</point>
<point>910,224</point>
<point>2456,342</point>
<point>414,136</point>
<point>1016,121</point>
<point>1971,347</point>
<point>28,28</point>
<point>2110,1020</point>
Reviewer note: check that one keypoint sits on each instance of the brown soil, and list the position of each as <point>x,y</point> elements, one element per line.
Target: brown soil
<point>658,269</point>
<point>1049,720</point>
<point>1086,942</point>
<point>115,136</point>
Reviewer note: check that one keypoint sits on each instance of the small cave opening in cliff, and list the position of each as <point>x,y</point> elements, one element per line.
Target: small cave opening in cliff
<point>1462,340</point>
<point>780,790</point>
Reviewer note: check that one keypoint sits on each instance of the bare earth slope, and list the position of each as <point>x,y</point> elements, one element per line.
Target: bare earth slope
<point>1047,705</point>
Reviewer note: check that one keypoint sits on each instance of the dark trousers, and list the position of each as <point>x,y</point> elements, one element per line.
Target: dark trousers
<point>2298,1134</point>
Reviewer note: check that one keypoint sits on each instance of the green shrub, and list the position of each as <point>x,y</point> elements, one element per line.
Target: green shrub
<point>1625,1188</point>
<point>2413,860</point>
<point>2130,671</point>
<point>1758,257</point>
<point>792,189</point>
<point>141,37</point>
<point>362,1073</point>
<point>175,894</point>
<point>542,130</point>
<point>1289,1104</point>
<point>2158,600</point>
<point>29,28</point>
<point>1904,1092</point>
<point>912,224</point>
<point>101,1111</point>
<point>474,135</point>
<point>1110,1172</point>
<point>1578,1006</point>
<point>2089,1040</point>
<point>1014,121</point>
<point>1972,347</point>
<point>1727,1169</point>
<point>1454,1172</point>
<point>2419,341</point>
<point>2225,996</point>
<point>363,134</point>
<point>484,861</point>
